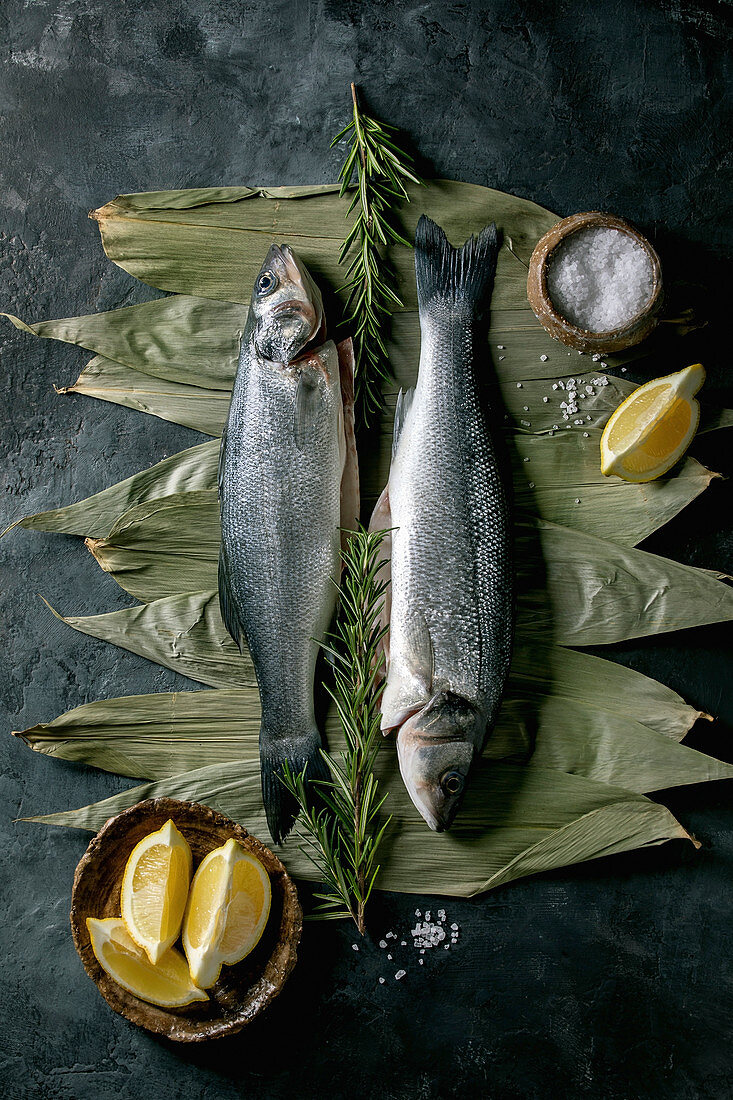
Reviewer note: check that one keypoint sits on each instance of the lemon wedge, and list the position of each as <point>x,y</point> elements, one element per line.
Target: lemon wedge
<point>167,983</point>
<point>653,427</point>
<point>228,907</point>
<point>155,888</point>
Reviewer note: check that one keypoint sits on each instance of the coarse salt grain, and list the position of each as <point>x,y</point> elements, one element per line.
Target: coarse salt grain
<point>382,943</point>
<point>599,278</point>
<point>399,975</point>
<point>381,981</point>
<point>543,358</point>
<point>355,947</point>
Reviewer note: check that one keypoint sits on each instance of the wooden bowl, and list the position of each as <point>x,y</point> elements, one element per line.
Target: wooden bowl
<point>604,343</point>
<point>242,991</point>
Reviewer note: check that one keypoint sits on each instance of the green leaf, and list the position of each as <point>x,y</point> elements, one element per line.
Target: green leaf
<point>574,588</point>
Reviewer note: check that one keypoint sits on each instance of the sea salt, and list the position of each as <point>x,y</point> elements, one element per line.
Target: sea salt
<point>599,278</point>
<point>399,975</point>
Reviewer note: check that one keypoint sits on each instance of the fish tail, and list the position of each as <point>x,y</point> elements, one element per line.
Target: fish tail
<point>454,275</point>
<point>281,808</point>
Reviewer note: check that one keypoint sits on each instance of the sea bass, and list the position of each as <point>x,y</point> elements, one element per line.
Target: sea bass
<point>287,447</point>
<point>451,617</point>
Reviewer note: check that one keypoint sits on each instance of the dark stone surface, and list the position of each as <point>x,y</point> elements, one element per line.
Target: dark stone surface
<point>612,980</point>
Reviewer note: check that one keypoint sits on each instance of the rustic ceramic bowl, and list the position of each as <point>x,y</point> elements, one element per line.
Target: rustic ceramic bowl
<point>242,991</point>
<point>604,343</point>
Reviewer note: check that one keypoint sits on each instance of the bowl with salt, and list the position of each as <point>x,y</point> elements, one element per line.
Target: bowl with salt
<point>595,283</point>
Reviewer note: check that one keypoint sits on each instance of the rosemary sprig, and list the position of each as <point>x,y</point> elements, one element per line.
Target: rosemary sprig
<point>381,169</point>
<point>343,831</point>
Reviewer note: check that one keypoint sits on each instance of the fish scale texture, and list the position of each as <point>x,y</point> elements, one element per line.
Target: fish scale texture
<point>280,513</point>
<point>451,555</point>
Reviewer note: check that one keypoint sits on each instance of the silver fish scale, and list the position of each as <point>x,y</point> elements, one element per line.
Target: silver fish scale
<point>280,519</point>
<point>451,554</point>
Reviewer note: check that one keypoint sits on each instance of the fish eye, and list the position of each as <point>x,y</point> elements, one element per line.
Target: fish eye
<point>452,782</point>
<point>266,282</point>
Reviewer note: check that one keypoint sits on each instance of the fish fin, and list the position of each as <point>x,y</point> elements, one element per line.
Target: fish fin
<point>226,603</point>
<point>281,809</point>
<point>350,476</point>
<point>410,681</point>
<point>308,406</point>
<point>402,408</point>
<point>382,521</point>
<point>455,275</point>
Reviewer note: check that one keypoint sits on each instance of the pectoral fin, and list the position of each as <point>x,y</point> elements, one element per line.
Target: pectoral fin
<point>308,408</point>
<point>410,678</point>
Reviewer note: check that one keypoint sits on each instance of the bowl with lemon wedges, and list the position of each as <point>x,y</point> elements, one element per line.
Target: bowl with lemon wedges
<point>188,925</point>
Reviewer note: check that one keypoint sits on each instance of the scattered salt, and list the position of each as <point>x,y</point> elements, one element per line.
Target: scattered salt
<point>531,484</point>
<point>599,278</point>
<point>543,358</point>
<point>500,347</point>
<point>421,962</point>
<point>501,358</point>
<point>519,385</point>
<point>546,399</point>
<point>399,975</point>
<point>454,927</point>
<point>577,501</point>
<point>355,947</point>
<point>585,435</point>
<point>388,955</point>
<point>381,981</point>
<point>382,943</point>
<point>403,943</point>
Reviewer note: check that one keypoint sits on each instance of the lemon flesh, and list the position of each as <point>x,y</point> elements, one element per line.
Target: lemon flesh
<point>228,906</point>
<point>167,983</point>
<point>653,427</point>
<point>155,888</point>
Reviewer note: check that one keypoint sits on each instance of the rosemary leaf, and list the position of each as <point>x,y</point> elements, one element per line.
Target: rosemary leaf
<point>381,168</point>
<point>343,832</point>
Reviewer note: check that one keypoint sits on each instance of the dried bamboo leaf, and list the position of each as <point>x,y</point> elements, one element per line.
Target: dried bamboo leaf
<point>163,547</point>
<point>512,824</point>
<point>95,516</point>
<point>574,587</point>
<point>555,724</point>
<point>192,406</point>
<point>186,252</point>
<point>186,633</point>
<point>194,341</point>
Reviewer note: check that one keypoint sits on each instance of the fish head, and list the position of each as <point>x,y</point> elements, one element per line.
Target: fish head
<point>436,748</point>
<point>287,307</point>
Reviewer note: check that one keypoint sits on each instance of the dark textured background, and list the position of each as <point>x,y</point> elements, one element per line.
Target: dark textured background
<point>612,980</point>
